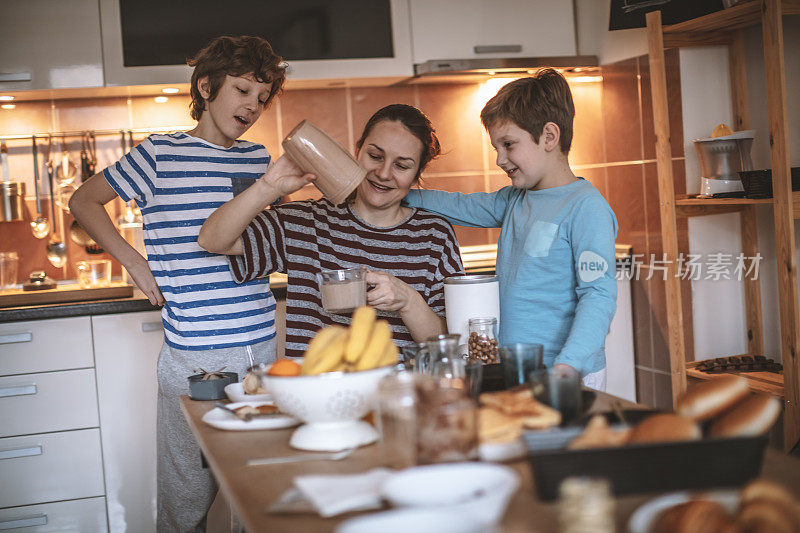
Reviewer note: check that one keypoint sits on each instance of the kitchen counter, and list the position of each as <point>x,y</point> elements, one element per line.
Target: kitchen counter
<point>251,489</point>
<point>138,302</point>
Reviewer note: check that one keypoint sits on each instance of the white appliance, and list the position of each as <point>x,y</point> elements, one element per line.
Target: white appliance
<point>468,297</point>
<point>721,159</point>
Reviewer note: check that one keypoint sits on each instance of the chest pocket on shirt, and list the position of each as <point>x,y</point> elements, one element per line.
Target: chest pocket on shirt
<point>541,237</point>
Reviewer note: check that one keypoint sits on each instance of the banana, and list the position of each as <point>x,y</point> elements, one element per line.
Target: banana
<point>389,356</point>
<point>360,327</point>
<point>325,351</point>
<point>380,337</point>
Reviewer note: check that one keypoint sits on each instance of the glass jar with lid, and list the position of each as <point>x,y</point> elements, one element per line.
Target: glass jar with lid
<point>482,340</point>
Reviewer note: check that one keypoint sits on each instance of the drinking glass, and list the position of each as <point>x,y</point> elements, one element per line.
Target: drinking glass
<point>560,389</point>
<point>342,290</point>
<point>397,419</point>
<point>519,360</point>
<point>447,422</point>
<point>8,270</point>
<point>94,273</point>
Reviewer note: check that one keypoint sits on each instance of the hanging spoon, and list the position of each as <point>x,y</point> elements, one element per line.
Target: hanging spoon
<point>40,226</point>
<point>66,172</point>
<point>56,249</point>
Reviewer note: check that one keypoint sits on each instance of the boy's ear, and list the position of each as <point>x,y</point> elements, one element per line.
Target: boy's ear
<point>551,135</point>
<point>203,87</point>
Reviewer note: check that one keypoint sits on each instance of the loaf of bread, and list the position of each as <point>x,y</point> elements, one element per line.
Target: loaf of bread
<point>665,427</point>
<point>752,416</point>
<point>710,398</point>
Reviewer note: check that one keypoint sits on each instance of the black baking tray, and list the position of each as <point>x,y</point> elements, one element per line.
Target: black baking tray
<point>656,467</point>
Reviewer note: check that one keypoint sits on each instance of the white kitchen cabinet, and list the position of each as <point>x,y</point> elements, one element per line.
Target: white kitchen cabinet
<point>87,516</point>
<point>50,44</point>
<point>45,345</point>
<point>50,401</point>
<point>50,467</point>
<point>126,348</point>
<point>466,29</point>
<point>398,66</point>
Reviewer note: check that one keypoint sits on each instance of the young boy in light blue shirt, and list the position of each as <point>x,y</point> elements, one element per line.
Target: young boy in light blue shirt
<point>555,254</point>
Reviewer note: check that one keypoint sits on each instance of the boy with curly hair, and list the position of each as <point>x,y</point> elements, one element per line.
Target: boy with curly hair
<point>177,180</point>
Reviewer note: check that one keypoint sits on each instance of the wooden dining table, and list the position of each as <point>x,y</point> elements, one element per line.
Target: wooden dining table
<point>250,490</point>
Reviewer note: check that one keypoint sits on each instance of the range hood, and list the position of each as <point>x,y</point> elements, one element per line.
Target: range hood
<point>502,66</point>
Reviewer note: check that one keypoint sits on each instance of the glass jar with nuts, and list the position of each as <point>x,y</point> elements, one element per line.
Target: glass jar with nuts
<point>483,339</point>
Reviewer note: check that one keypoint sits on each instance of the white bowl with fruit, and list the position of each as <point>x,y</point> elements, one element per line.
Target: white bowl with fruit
<point>337,384</point>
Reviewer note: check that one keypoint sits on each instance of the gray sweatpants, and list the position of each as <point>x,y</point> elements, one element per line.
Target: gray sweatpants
<point>185,489</point>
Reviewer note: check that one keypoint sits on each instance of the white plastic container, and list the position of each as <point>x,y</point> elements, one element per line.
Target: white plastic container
<point>468,297</point>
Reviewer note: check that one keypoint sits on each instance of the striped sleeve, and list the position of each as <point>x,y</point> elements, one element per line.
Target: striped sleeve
<point>263,244</point>
<point>449,265</point>
<point>133,177</point>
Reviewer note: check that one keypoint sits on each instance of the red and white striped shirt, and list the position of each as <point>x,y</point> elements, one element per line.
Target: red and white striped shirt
<point>303,238</point>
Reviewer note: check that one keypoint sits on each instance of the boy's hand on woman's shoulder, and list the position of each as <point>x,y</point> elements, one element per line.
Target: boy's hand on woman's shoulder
<point>284,176</point>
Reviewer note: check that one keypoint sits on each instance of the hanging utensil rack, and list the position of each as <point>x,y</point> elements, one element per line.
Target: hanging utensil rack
<point>79,133</point>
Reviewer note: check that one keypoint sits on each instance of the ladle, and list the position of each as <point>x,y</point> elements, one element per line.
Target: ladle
<point>56,249</point>
<point>40,226</point>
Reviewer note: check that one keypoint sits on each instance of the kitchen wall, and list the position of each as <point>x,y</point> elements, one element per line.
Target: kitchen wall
<point>466,163</point>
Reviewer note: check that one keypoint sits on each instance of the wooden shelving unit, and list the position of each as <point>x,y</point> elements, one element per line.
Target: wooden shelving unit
<point>724,28</point>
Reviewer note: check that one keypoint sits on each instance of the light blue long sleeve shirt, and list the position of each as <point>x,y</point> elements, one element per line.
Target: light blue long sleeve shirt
<point>555,264</point>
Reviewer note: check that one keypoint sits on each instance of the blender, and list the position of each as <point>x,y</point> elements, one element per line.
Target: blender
<point>721,159</point>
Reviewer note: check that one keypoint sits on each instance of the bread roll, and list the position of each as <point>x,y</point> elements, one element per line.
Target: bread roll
<point>665,427</point>
<point>694,516</point>
<point>598,434</point>
<point>768,505</point>
<point>708,399</point>
<point>763,516</point>
<point>494,426</point>
<point>752,416</point>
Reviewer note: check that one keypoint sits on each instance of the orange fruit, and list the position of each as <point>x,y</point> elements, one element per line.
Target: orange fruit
<point>284,367</point>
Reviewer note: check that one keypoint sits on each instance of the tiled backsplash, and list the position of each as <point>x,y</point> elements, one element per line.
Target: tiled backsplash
<point>613,147</point>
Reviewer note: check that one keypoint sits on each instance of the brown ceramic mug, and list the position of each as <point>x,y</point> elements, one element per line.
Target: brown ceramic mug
<point>338,173</point>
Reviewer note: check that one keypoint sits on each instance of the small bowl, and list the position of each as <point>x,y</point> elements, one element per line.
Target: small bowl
<point>235,393</point>
<point>478,490</point>
<point>210,389</point>
<point>331,405</point>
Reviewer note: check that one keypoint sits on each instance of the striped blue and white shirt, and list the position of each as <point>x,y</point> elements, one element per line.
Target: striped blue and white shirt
<point>177,181</point>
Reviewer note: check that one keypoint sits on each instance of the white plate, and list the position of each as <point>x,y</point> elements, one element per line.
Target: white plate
<point>408,520</point>
<point>500,452</point>
<point>220,419</point>
<point>641,519</point>
<point>235,392</point>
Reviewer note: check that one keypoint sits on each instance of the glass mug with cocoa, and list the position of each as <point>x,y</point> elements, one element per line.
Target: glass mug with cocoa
<point>342,290</point>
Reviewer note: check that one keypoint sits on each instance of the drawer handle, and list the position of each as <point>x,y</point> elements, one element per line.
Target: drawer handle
<point>497,48</point>
<point>15,76</point>
<point>19,390</point>
<point>21,452</point>
<point>15,338</point>
<point>17,523</point>
<point>147,327</point>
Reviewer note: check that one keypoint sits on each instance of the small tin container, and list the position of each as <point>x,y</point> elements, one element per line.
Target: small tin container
<point>210,389</point>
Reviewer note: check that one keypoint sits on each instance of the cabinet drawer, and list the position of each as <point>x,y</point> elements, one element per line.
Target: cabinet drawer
<point>50,467</point>
<point>43,345</point>
<point>53,401</point>
<point>87,516</point>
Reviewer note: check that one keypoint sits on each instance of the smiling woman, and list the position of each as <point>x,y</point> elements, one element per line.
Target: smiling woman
<point>407,252</point>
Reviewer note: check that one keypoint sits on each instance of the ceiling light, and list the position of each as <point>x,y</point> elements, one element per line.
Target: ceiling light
<point>8,106</point>
<point>585,79</point>
<point>170,90</point>
<point>6,98</point>
<point>161,99</point>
